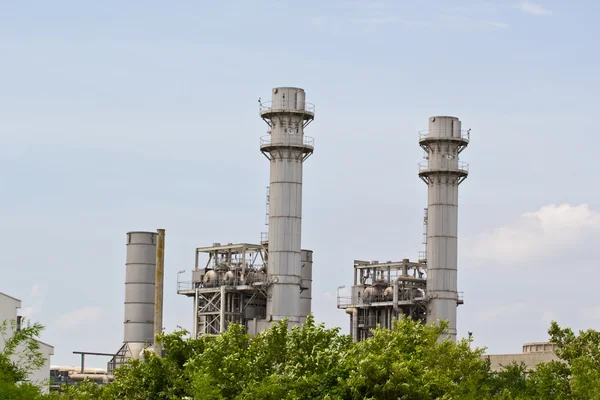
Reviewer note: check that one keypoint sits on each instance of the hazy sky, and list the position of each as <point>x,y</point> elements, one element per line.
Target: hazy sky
<point>118,116</point>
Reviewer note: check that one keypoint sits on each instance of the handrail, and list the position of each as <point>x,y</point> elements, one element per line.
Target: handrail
<point>184,286</point>
<point>190,286</point>
<point>287,105</point>
<point>434,134</point>
<point>288,140</point>
<point>461,166</point>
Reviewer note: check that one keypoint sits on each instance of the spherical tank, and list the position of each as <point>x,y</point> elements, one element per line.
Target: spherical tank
<point>373,291</point>
<point>140,270</point>
<point>389,291</point>
<point>211,278</point>
<point>229,278</point>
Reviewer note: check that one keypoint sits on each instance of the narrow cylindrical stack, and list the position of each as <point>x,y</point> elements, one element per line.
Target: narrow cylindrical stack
<point>287,148</point>
<point>158,288</point>
<point>140,277</point>
<point>443,172</point>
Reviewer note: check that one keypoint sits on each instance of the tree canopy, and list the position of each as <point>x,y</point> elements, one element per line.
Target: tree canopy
<point>406,362</point>
<point>19,356</point>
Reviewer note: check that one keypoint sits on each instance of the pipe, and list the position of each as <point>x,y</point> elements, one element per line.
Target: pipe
<point>158,289</point>
<point>195,318</point>
<point>353,323</point>
<point>222,311</point>
<point>395,298</point>
<point>410,279</point>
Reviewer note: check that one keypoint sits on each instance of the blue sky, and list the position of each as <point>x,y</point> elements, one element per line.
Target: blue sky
<point>138,115</point>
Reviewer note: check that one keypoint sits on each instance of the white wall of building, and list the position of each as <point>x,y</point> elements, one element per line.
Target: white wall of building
<point>8,312</point>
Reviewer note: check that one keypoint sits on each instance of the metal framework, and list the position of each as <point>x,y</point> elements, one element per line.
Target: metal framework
<point>425,290</point>
<point>230,287</point>
<point>383,291</point>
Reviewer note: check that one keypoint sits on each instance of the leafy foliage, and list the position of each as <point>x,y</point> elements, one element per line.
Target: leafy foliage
<point>407,362</point>
<point>19,356</point>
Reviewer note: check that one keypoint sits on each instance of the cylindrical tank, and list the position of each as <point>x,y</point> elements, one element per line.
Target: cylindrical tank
<point>306,285</point>
<point>140,270</point>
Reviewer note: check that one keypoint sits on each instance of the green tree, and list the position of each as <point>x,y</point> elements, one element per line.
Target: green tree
<point>19,356</point>
<point>156,378</point>
<point>311,362</point>
<point>409,362</point>
<point>551,381</point>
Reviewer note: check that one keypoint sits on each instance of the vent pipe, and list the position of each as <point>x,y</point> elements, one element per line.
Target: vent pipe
<point>158,289</point>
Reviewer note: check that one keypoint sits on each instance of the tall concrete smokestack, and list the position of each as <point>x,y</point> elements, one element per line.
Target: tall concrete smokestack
<point>287,148</point>
<point>443,173</point>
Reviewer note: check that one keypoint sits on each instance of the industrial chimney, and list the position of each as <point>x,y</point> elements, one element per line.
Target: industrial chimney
<point>140,278</point>
<point>287,148</point>
<point>443,173</point>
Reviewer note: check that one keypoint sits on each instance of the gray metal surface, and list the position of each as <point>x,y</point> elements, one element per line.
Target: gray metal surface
<point>286,147</point>
<point>306,260</point>
<point>140,270</point>
<point>443,172</point>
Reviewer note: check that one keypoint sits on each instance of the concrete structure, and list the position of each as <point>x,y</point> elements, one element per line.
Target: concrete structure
<point>425,290</point>
<point>533,354</point>
<point>140,295</point>
<point>443,173</point>
<point>8,312</point>
<point>140,276</point>
<point>287,148</point>
<point>259,284</point>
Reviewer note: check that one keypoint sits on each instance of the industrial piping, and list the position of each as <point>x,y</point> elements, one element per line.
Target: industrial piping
<point>159,287</point>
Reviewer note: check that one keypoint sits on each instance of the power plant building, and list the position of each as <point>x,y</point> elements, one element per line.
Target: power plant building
<point>257,285</point>
<point>425,290</point>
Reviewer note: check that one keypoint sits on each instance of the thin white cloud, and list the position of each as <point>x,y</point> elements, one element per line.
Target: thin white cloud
<point>532,8</point>
<point>84,315</point>
<point>500,311</point>
<point>548,232</point>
